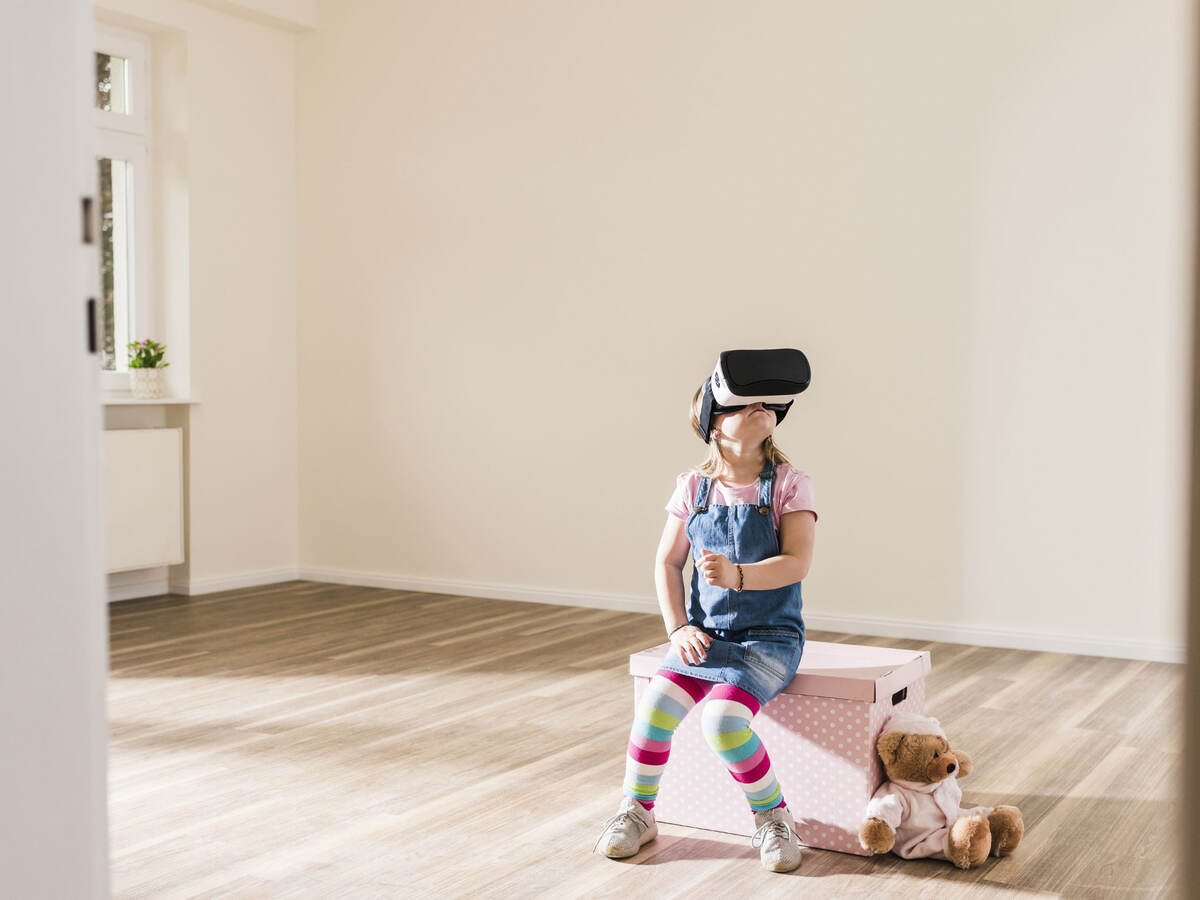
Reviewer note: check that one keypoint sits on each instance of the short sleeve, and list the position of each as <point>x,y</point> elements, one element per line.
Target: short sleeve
<point>680,504</point>
<point>796,492</point>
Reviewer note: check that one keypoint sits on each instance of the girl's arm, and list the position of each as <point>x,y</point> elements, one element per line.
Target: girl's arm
<point>673,549</point>
<point>797,531</point>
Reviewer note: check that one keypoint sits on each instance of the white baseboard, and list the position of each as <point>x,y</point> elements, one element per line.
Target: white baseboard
<point>560,597</point>
<point>979,636</point>
<point>151,587</point>
<point>876,626</point>
<point>210,585</point>
<point>157,584</point>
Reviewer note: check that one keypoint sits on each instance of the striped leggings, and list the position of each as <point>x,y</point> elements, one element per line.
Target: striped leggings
<point>726,725</point>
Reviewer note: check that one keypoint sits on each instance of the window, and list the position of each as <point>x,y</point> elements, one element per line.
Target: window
<point>122,119</point>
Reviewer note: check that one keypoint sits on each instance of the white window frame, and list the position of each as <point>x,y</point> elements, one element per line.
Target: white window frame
<point>127,137</point>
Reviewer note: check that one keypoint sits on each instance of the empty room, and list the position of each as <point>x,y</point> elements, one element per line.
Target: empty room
<point>599,449</point>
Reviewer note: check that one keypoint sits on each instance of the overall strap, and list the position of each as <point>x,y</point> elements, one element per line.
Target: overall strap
<point>766,487</point>
<point>701,503</point>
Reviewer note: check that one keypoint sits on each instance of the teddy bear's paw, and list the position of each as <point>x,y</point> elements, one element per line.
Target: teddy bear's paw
<point>876,836</point>
<point>969,841</point>
<point>1007,829</point>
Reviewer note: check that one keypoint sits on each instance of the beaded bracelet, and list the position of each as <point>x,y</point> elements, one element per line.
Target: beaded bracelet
<point>739,587</point>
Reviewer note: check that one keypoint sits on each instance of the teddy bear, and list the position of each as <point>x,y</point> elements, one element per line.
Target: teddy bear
<point>916,812</point>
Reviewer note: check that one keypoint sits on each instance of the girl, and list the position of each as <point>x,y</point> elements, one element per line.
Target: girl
<point>741,638</point>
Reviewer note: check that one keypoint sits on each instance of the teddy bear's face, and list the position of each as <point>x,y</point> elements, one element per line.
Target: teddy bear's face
<point>916,757</point>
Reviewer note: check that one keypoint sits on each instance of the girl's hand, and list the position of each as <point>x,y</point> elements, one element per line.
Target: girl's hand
<point>692,644</point>
<point>717,569</point>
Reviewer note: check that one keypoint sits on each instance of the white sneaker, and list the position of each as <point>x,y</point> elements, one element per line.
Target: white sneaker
<point>779,847</point>
<point>626,832</point>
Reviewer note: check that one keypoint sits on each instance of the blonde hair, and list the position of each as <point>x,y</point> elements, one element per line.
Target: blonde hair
<point>714,463</point>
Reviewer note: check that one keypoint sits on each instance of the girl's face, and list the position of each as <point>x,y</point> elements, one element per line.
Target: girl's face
<point>751,425</point>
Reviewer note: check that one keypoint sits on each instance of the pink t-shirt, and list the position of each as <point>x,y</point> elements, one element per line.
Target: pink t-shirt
<point>793,491</point>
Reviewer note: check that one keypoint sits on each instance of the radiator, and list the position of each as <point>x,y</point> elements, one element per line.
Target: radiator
<point>143,481</point>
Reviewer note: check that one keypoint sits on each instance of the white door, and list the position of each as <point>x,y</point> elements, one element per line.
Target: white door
<point>53,625</point>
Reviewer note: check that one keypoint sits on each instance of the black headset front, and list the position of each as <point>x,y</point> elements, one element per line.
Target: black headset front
<point>742,377</point>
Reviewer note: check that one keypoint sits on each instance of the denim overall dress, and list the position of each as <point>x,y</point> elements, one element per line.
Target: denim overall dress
<point>758,636</point>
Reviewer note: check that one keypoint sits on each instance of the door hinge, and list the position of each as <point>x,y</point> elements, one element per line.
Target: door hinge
<point>89,222</point>
<point>91,324</point>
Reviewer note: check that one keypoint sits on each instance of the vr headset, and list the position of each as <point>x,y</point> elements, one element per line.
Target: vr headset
<point>742,377</point>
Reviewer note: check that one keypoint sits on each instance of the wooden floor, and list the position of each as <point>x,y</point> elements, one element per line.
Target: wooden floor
<point>317,740</point>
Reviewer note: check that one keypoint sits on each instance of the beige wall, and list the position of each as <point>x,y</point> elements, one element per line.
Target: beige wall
<point>972,219</point>
<point>225,152</point>
<point>526,230</point>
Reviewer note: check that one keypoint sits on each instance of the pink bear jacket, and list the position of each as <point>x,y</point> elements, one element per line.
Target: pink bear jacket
<point>921,815</point>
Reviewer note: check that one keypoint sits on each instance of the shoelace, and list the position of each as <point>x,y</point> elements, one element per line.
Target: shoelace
<point>616,820</point>
<point>780,829</point>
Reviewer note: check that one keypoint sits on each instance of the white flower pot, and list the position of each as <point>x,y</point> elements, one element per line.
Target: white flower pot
<point>146,383</point>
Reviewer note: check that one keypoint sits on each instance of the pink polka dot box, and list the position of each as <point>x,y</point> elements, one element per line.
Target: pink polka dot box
<point>820,733</point>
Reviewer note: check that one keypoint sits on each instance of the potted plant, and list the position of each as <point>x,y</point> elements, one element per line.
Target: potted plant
<point>146,368</point>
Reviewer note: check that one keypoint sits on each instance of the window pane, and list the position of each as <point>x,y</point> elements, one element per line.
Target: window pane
<point>116,259</point>
<point>112,83</point>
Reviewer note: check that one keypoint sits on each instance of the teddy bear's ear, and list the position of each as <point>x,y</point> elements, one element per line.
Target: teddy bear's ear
<point>888,744</point>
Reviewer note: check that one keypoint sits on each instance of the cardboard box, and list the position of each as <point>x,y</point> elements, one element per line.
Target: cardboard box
<point>820,734</point>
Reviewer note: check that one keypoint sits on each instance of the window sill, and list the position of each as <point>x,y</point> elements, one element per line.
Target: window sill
<point>124,398</point>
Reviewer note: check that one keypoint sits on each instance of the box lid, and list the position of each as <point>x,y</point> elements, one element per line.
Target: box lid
<point>844,671</point>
